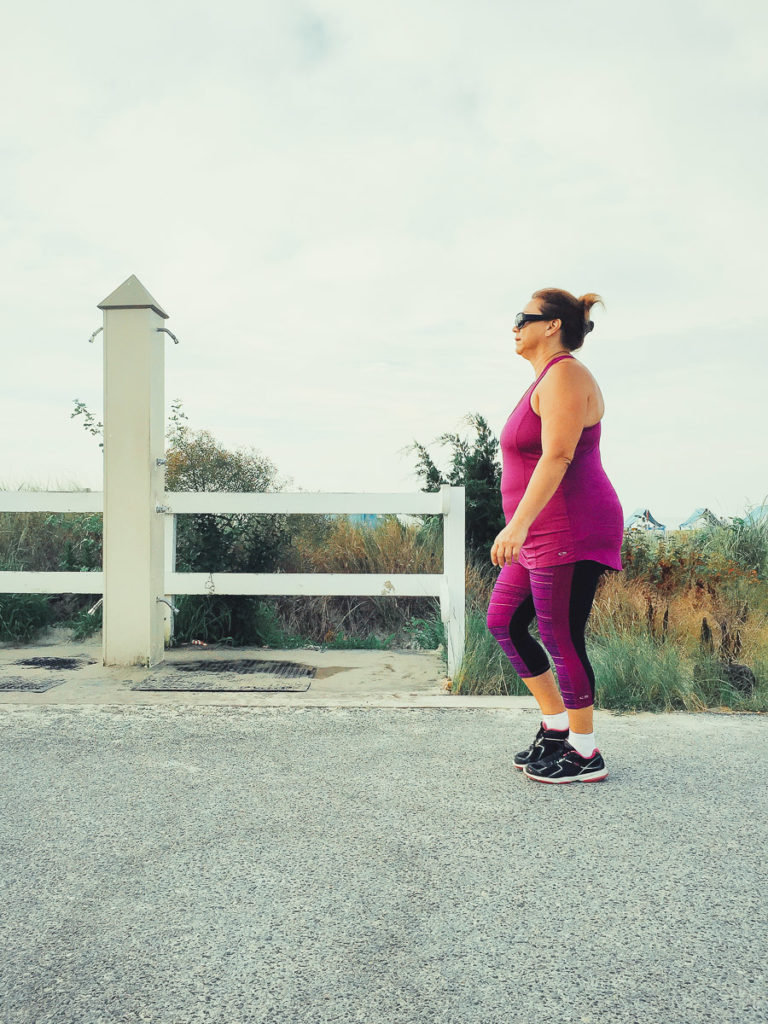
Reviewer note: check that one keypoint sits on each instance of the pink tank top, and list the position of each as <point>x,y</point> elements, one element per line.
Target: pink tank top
<point>583,518</point>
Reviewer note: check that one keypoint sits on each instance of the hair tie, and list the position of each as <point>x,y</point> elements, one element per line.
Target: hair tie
<point>588,327</point>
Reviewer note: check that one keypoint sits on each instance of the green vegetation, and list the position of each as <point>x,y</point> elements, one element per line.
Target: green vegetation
<point>218,543</point>
<point>683,627</point>
<point>477,469</point>
<point>23,616</point>
<point>47,542</point>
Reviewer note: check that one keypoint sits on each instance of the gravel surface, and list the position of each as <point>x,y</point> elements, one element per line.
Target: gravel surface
<point>210,864</point>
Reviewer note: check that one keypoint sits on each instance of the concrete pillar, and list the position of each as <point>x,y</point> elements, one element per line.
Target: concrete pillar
<point>134,484</point>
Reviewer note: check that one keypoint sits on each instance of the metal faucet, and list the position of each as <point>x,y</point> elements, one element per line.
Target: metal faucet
<point>164,600</point>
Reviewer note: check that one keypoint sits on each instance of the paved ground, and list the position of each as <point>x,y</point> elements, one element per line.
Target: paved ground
<point>177,864</point>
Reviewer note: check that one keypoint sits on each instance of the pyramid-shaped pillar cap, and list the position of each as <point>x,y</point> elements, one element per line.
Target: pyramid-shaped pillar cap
<point>132,295</point>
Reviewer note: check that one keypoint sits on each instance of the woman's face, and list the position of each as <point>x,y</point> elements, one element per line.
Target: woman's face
<point>529,337</point>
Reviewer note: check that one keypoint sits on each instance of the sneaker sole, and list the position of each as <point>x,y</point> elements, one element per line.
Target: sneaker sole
<point>594,777</point>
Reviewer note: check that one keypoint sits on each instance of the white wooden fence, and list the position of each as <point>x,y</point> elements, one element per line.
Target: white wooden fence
<point>448,586</point>
<point>139,548</point>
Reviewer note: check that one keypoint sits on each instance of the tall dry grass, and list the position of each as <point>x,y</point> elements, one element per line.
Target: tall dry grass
<point>340,546</point>
<point>645,636</point>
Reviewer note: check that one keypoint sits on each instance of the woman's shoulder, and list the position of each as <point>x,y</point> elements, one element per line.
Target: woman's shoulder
<point>569,365</point>
<point>567,375</point>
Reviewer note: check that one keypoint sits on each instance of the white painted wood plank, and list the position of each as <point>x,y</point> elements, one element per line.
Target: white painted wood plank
<point>301,584</point>
<point>454,564</point>
<point>307,503</point>
<point>51,501</point>
<point>170,566</point>
<point>51,583</point>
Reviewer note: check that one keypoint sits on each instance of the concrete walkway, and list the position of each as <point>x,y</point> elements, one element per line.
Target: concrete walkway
<point>178,863</point>
<point>348,678</point>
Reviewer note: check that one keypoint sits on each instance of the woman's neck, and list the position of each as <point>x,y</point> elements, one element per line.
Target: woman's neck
<point>542,361</point>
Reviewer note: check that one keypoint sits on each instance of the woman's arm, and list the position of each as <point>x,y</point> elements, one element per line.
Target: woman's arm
<point>563,397</point>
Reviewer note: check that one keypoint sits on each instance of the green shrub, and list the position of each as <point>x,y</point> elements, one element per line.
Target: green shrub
<point>224,619</point>
<point>633,672</point>
<point>23,616</point>
<point>84,625</point>
<point>485,668</point>
<point>743,542</point>
<point>426,634</point>
<point>477,469</point>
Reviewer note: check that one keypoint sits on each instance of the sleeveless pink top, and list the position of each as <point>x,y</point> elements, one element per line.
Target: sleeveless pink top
<point>583,518</point>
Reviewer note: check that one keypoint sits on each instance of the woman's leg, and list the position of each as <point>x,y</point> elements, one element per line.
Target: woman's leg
<point>562,597</point>
<point>510,613</point>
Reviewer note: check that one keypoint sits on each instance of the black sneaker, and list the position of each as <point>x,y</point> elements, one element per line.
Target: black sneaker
<point>547,744</point>
<point>570,766</point>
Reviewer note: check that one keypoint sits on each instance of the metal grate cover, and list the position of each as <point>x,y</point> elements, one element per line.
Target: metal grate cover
<point>31,681</point>
<point>29,685</point>
<point>247,666</point>
<point>240,675</point>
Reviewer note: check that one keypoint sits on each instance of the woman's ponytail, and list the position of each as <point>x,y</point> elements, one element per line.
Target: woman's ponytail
<point>587,302</point>
<point>572,312</point>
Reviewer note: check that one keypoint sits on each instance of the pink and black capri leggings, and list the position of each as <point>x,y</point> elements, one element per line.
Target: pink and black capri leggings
<point>561,597</point>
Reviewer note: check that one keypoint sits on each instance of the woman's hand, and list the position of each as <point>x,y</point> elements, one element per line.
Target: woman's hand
<point>506,547</point>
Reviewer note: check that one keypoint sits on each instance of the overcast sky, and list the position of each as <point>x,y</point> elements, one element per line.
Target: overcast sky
<point>342,205</point>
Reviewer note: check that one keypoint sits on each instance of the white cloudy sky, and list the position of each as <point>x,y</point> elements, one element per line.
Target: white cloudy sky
<point>342,204</point>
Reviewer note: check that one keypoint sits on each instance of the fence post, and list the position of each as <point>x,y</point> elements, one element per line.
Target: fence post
<point>134,481</point>
<point>452,601</point>
<point>170,566</point>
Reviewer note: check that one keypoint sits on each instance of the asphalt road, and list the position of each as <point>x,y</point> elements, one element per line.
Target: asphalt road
<point>180,864</point>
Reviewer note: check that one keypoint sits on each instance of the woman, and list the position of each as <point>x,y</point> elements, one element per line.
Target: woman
<point>564,529</point>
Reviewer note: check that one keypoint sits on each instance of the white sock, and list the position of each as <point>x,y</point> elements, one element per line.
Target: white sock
<point>583,741</point>
<point>556,721</point>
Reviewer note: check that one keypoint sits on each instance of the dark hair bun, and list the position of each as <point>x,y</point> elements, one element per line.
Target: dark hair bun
<point>571,311</point>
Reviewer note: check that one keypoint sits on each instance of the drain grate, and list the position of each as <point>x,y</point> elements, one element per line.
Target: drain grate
<point>242,675</point>
<point>30,680</point>
<point>247,666</point>
<point>29,685</point>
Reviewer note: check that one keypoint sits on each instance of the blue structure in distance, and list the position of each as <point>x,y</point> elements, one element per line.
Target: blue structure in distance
<point>695,519</point>
<point>641,519</point>
<point>359,518</point>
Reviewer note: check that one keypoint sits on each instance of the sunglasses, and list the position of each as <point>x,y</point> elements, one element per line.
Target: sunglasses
<point>525,318</point>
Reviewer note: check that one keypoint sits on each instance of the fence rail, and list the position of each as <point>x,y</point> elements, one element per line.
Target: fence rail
<point>310,583</point>
<point>51,501</point>
<point>305,502</point>
<point>51,582</point>
<point>448,586</point>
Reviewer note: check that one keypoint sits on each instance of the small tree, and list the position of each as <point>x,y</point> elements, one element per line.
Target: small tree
<point>235,542</point>
<point>475,467</point>
<point>196,461</point>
